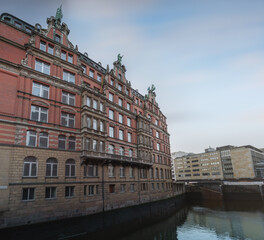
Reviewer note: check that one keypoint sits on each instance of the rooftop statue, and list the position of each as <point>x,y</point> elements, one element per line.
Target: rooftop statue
<point>59,14</point>
<point>152,89</point>
<point>119,58</point>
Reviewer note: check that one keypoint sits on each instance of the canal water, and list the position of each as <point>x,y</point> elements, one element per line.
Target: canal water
<point>208,221</point>
<point>214,220</point>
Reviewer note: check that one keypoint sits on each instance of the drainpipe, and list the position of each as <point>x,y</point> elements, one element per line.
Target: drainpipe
<point>103,186</point>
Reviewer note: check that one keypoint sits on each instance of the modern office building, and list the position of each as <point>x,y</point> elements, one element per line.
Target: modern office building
<point>75,137</point>
<point>227,162</point>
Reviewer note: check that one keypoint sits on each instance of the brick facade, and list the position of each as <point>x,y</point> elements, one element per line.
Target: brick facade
<point>75,137</point>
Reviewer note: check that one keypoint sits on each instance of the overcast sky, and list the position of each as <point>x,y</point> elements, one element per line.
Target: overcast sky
<point>206,59</point>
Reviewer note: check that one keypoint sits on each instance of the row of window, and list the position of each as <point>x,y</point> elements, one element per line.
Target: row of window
<point>120,101</point>
<point>112,134</point>
<point>45,68</point>
<point>94,104</point>
<point>30,167</point>
<point>92,73</point>
<point>112,150</point>
<point>40,114</point>
<point>34,139</point>
<point>28,194</point>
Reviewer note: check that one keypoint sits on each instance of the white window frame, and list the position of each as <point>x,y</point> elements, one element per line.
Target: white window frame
<point>39,90</point>
<point>68,98</point>
<point>31,134</point>
<point>68,76</point>
<point>42,67</point>
<point>121,134</point>
<point>41,111</point>
<point>67,117</point>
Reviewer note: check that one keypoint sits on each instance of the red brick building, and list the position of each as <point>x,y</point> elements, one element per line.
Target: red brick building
<point>75,137</point>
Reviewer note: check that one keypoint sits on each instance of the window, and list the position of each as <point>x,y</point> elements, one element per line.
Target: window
<point>128,106</point>
<point>111,97</point>
<point>111,132</point>
<point>52,167</point>
<point>130,153</point>
<point>69,191</point>
<point>63,55</point>
<point>88,122</point>
<point>92,189</point>
<point>94,145</point>
<point>120,118</point>
<point>91,73</point>
<point>101,126</point>
<point>157,134</point>
<point>121,134</point>
<point>62,142</point>
<point>111,171</point>
<point>156,173</point>
<point>111,114</point>
<point>111,188</point>
<point>156,122</point>
<point>50,49</point>
<point>122,172</point>
<point>71,143</point>
<point>99,78</point>
<point>94,124</point>
<point>68,98</point>
<point>70,58</point>
<point>158,146</point>
<point>132,187</point>
<point>31,138</point>
<point>69,77</point>
<point>161,173</point>
<point>30,167</point>
<point>122,187</point>
<point>88,102</point>
<point>119,87</point>
<point>129,122</point>
<point>67,119</point>
<point>121,151</point>
<point>95,104</point>
<point>43,46</point>
<point>39,114</point>
<point>57,38</point>
<point>50,193</point>
<point>111,149</point>
<point>129,137</point>
<point>131,172</point>
<point>43,140</point>
<point>90,170</point>
<point>40,90</point>
<point>84,68</point>
<point>112,82</point>
<point>101,107</point>
<point>87,144</point>
<point>120,102</point>
<point>101,146</point>
<point>17,24</point>
<point>28,194</point>
<point>42,67</point>
<point>120,76</point>
<point>151,173</point>
<point>70,168</point>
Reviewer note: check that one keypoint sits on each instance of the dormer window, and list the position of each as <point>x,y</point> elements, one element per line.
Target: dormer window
<point>91,73</point>
<point>120,76</point>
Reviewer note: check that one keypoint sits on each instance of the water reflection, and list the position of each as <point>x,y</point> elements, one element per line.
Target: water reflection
<point>214,220</point>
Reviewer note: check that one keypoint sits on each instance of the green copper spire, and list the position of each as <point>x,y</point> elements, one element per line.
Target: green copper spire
<point>59,14</point>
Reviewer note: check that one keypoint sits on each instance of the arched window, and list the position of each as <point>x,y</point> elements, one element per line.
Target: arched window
<point>161,173</point>
<point>70,168</point>
<point>111,149</point>
<point>130,152</point>
<point>30,167</point>
<point>156,172</point>
<point>52,167</point>
<point>62,142</point>
<point>121,151</point>
<point>88,122</point>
